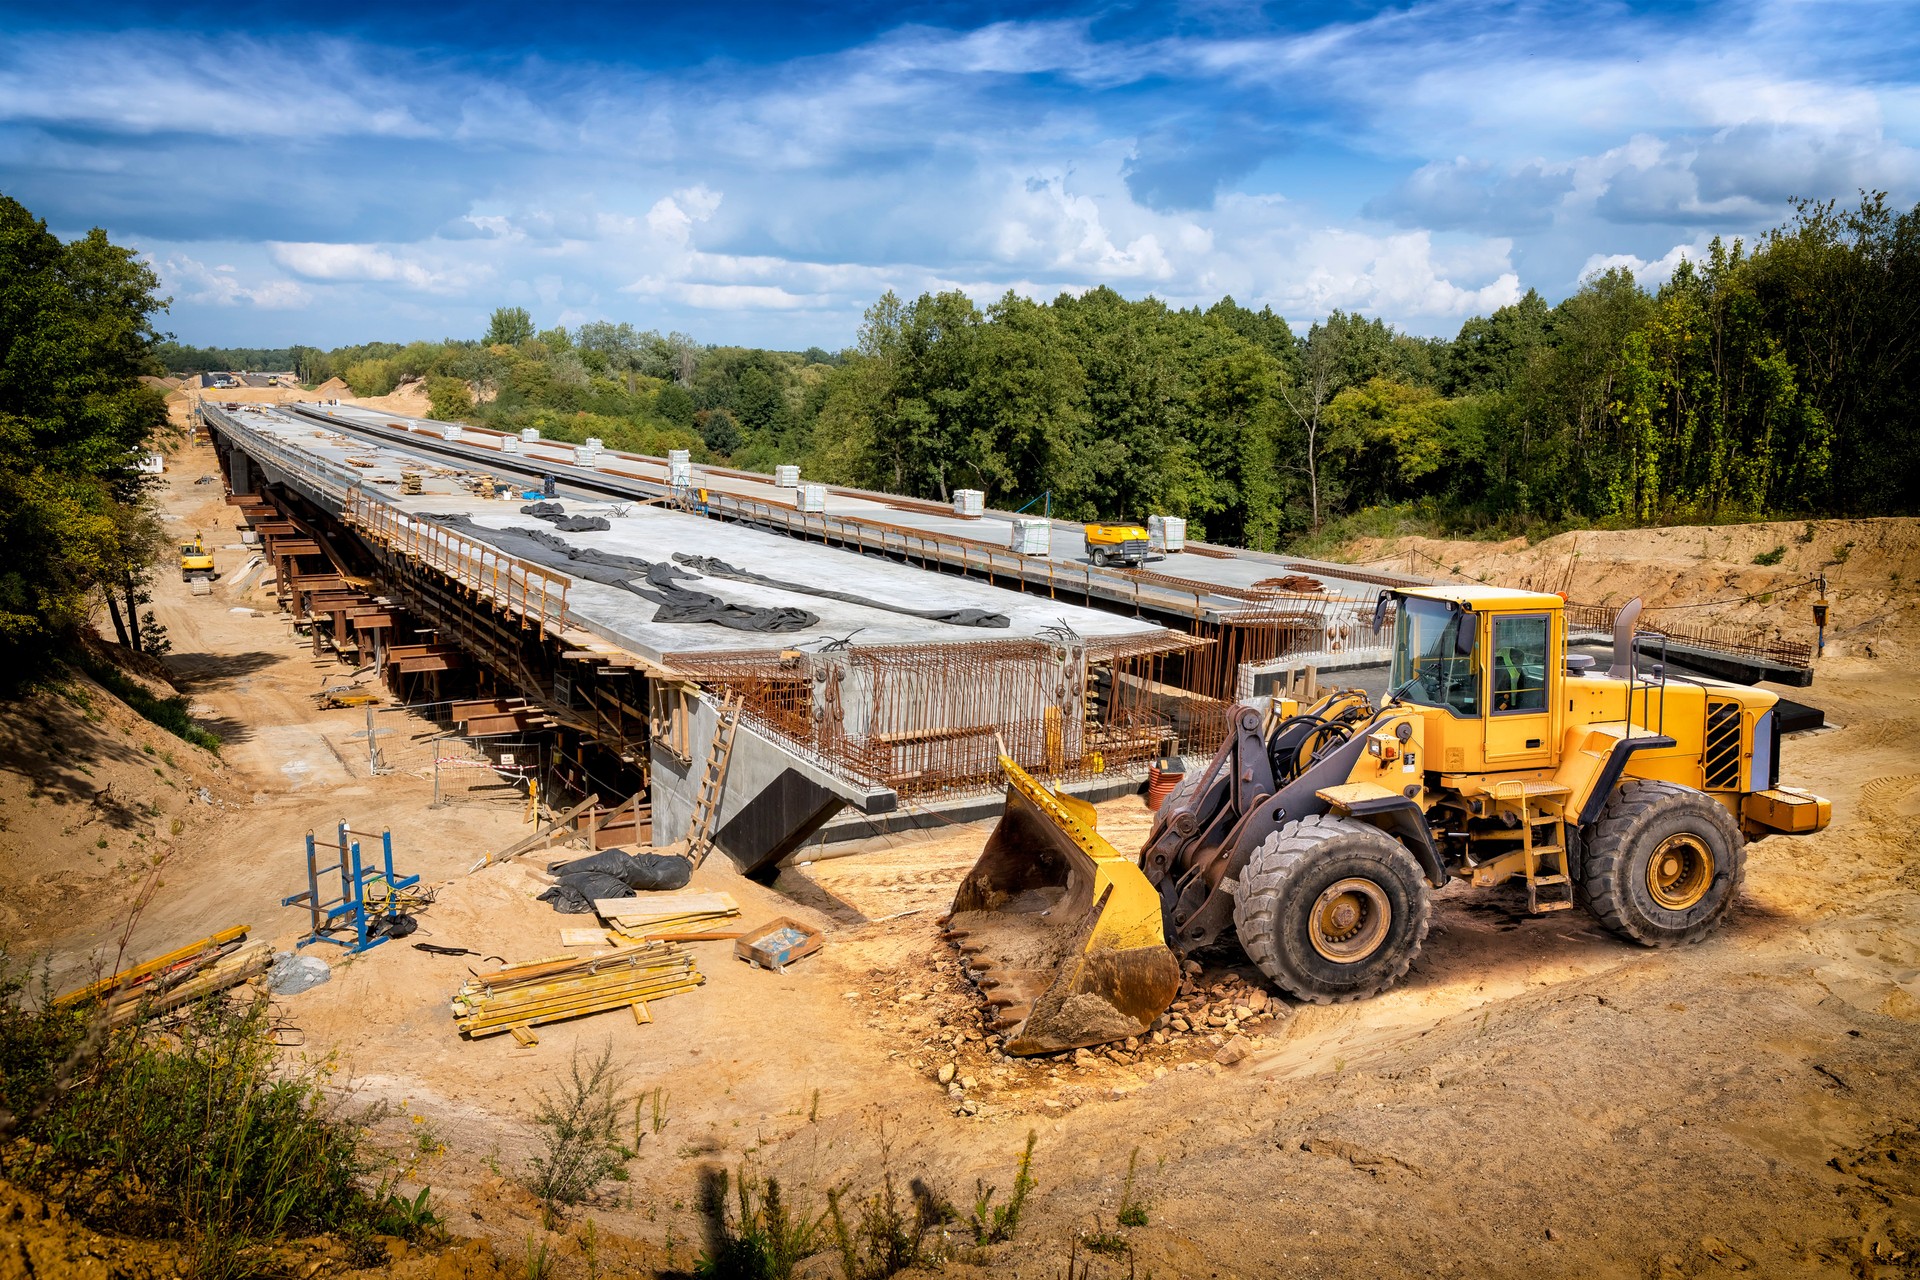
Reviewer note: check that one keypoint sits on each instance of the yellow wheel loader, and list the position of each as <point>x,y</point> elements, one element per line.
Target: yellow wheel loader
<point>1317,836</point>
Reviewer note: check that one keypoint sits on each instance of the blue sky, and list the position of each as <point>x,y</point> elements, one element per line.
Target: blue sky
<point>760,173</point>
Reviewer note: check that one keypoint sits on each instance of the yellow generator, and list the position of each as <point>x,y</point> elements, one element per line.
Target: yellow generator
<point>1125,544</point>
<point>1318,835</point>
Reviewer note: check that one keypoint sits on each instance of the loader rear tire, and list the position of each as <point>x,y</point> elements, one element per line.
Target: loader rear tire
<point>1332,909</point>
<point>1663,865</point>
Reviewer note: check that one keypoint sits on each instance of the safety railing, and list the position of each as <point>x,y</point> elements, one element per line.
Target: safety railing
<point>538,595</point>
<point>1142,590</point>
<point>312,474</point>
<point>1733,641</point>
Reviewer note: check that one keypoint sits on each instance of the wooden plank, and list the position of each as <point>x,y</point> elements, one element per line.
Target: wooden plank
<point>679,902</point>
<point>540,837</point>
<point>419,650</point>
<point>484,706</point>
<point>147,968</point>
<point>448,662</point>
<point>583,937</point>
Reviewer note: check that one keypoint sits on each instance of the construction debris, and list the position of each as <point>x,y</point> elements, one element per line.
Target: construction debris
<point>778,943</point>
<point>657,913</point>
<point>1293,582</point>
<point>180,977</point>
<point>523,996</point>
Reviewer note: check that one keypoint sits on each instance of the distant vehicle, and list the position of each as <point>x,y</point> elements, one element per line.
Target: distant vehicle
<point>1125,544</point>
<point>196,561</point>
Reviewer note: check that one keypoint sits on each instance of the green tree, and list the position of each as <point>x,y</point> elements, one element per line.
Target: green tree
<point>76,332</point>
<point>509,327</point>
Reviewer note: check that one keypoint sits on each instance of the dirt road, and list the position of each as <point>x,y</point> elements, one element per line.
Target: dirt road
<point>1537,1099</point>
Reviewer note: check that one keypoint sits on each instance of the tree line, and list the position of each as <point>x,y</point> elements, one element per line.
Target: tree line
<point>1770,379</point>
<point>1777,378</point>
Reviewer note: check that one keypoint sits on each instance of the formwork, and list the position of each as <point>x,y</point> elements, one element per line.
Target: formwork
<point>932,720</point>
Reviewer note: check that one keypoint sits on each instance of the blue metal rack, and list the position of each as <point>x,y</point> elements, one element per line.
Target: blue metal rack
<point>344,922</point>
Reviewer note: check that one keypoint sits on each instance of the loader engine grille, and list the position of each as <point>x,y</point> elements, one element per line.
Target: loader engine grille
<point>1723,746</point>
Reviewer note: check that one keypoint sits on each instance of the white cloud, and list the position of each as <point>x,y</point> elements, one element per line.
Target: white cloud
<point>238,88</point>
<point>1515,141</point>
<point>364,262</point>
<point>1649,272</point>
<point>672,217</point>
<point>221,286</point>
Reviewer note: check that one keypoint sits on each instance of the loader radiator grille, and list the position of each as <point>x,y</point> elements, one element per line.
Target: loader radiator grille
<point>1723,746</point>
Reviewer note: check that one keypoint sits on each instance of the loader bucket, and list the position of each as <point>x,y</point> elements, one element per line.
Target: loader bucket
<point>1062,929</point>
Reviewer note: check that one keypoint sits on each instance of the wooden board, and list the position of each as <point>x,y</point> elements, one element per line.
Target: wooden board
<point>652,906</point>
<point>583,937</point>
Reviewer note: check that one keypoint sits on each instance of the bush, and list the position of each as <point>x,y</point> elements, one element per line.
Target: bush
<point>579,1128</point>
<point>994,1225</point>
<point>768,1239</point>
<point>201,1135</point>
<point>1772,557</point>
<point>169,713</point>
<point>371,377</point>
<point>451,398</point>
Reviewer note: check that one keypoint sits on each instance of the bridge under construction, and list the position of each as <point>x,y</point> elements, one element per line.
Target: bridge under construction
<point>734,659</point>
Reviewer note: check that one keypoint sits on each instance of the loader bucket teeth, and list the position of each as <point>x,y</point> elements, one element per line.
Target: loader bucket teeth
<point>1061,928</point>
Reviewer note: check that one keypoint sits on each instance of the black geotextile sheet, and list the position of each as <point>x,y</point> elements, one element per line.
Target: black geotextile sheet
<point>650,871</point>
<point>957,617</point>
<point>655,582</point>
<point>557,515</point>
<point>575,895</point>
<point>680,604</point>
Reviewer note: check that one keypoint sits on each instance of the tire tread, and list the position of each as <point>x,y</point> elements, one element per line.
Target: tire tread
<point>1283,857</point>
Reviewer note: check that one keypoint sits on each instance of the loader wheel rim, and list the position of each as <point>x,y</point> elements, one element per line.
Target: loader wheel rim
<point>1349,920</point>
<point>1680,872</point>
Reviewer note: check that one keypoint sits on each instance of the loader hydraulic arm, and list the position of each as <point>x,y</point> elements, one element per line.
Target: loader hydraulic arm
<point>1199,846</point>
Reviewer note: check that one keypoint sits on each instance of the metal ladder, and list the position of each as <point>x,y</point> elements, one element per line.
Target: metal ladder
<point>713,778</point>
<point>1546,811</point>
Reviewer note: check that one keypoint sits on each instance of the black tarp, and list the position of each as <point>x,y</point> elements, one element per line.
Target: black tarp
<point>676,604</point>
<point>575,895</point>
<point>714,568</point>
<point>649,871</point>
<point>557,515</point>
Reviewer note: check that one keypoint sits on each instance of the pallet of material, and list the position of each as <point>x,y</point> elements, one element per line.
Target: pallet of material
<point>522,996</point>
<point>651,914</point>
<point>164,983</point>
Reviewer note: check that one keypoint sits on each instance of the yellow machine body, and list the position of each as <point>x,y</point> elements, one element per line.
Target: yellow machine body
<point>1061,927</point>
<point>1513,715</point>
<point>195,560</point>
<point>1117,543</point>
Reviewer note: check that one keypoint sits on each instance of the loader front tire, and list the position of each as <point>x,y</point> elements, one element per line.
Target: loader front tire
<point>1332,909</point>
<point>1663,865</point>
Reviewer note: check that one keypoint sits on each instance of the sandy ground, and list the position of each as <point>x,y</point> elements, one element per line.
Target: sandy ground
<point>1537,1099</point>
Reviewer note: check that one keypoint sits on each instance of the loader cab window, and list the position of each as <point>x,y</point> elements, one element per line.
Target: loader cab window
<point>1520,663</point>
<point>1436,656</point>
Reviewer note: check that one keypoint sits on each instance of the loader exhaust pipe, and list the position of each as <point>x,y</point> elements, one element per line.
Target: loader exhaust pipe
<point>1623,626</point>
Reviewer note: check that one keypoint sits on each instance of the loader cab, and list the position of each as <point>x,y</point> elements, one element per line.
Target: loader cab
<point>1487,662</point>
